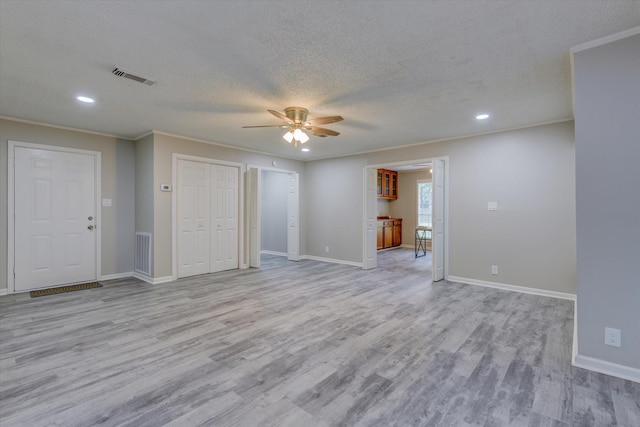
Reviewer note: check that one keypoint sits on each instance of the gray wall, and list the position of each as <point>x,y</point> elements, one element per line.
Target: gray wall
<point>274,211</point>
<point>532,235</point>
<point>334,208</point>
<point>607,111</point>
<point>118,184</point>
<point>383,207</point>
<point>144,186</point>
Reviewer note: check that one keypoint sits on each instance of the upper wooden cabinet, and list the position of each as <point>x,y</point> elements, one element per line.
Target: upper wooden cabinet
<point>387,184</point>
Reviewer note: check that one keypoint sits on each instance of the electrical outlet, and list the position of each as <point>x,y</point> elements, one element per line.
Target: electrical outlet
<point>494,269</point>
<point>612,337</point>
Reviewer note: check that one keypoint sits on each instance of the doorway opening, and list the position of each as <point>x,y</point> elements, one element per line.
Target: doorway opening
<point>419,213</point>
<point>273,212</point>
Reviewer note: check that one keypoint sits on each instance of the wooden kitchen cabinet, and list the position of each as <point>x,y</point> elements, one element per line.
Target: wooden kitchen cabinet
<point>387,184</point>
<point>389,232</point>
<point>397,233</point>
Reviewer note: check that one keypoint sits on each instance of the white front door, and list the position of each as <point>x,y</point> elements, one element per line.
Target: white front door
<point>54,225</point>
<point>224,208</point>
<point>194,218</point>
<point>437,234</point>
<point>293,208</point>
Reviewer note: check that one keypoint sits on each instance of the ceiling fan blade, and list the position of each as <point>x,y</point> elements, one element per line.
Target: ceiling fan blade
<point>324,120</point>
<point>266,126</point>
<point>280,116</point>
<point>322,131</point>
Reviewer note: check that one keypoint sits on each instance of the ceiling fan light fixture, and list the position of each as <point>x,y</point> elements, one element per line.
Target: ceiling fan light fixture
<point>297,134</point>
<point>303,137</point>
<point>288,137</point>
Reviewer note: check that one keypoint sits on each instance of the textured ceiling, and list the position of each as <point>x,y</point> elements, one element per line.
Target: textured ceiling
<point>398,72</point>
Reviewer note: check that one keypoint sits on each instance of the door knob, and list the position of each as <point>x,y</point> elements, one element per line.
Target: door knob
<point>90,218</point>
<point>90,227</point>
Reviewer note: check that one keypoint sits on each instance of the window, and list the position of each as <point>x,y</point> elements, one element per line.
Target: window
<point>424,203</point>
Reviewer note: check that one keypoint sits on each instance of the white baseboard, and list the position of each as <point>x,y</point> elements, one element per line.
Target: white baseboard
<point>608,368</point>
<point>273,253</point>
<point>331,260</point>
<point>4,292</point>
<point>153,280</point>
<point>513,288</point>
<point>116,276</point>
<point>599,365</point>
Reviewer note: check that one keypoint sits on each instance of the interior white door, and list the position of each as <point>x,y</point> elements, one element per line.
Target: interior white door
<point>254,181</point>
<point>54,226</point>
<point>224,208</point>
<point>370,247</point>
<point>194,218</point>
<point>293,213</point>
<point>437,207</point>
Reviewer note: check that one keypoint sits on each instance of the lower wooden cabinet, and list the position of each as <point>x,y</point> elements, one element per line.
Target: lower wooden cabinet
<point>389,233</point>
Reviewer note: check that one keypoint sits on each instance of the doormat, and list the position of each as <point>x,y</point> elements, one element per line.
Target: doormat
<point>63,289</point>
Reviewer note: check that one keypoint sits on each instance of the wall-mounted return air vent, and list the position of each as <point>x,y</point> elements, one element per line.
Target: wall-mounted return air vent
<point>118,72</point>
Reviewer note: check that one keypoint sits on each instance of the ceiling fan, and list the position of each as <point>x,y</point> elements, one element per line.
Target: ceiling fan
<point>296,118</point>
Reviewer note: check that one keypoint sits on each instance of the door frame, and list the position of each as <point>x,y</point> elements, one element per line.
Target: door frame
<point>97,158</point>
<point>242,262</point>
<point>288,172</point>
<point>366,241</point>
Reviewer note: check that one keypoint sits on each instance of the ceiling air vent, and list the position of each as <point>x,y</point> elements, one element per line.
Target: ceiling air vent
<point>118,72</point>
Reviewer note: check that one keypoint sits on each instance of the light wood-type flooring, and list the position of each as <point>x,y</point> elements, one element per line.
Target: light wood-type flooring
<point>300,344</point>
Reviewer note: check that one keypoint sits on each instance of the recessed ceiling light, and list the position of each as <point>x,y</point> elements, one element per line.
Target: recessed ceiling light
<point>85,99</point>
<point>482,116</point>
<point>305,149</point>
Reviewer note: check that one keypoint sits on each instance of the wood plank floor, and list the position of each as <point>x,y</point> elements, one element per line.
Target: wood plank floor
<point>300,344</point>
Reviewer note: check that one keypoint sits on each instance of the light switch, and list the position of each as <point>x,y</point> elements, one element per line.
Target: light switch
<point>106,202</point>
<point>492,206</point>
<point>165,187</point>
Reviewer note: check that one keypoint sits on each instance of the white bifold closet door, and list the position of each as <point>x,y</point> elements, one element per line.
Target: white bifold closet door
<point>207,218</point>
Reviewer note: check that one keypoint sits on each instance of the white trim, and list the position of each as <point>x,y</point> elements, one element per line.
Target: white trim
<point>574,344</point>
<point>608,368</point>
<point>271,169</point>
<point>153,280</point>
<point>97,156</point>
<point>259,195</point>
<point>331,260</point>
<point>266,252</point>
<point>49,125</point>
<point>606,40</point>
<point>116,276</point>
<point>174,207</point>
<point>447,184</point>
<point>513,288</point>
<point>4,292</point>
